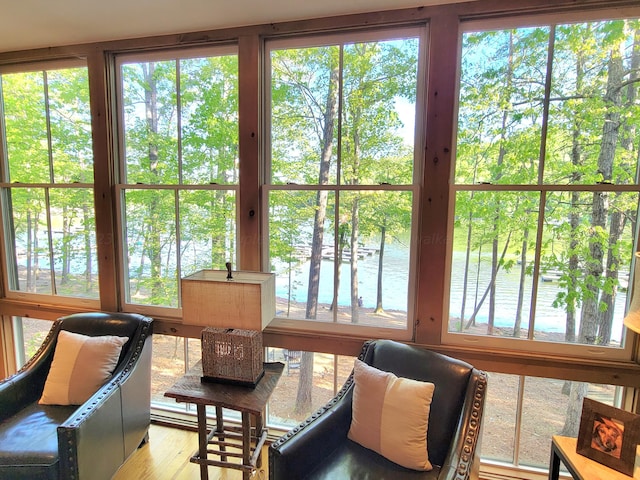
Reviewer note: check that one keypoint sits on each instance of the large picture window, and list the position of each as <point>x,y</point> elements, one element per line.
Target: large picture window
<point>179,168</point>
<point>546,184</point>
<point>342,176</point>
<point>47,182</point>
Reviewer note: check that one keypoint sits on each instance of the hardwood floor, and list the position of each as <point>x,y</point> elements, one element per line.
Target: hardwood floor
<point>166,457</point>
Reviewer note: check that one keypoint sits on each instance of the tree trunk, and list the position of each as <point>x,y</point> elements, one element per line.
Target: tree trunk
<point>600,205</point>
<point>574,216</point>
<point>383,235</point>
<point>355,220</point>
<point>355,234</point>
<point>572,283</point>
<point>29,283</point>
<point>494,276</point>
<point>88,271</point>
<point>152,239</point>
<point>577,392</point>
<point>523,272</point>
<point>467,258</point>
<point>303,397</point>
<point>607,301</point>
<point>499,162</point>
<point>66,245</point>
<point>339,256</point>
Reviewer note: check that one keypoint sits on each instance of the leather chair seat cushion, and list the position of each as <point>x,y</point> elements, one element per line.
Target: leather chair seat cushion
<point>351,460</point>
<point>29,439</point>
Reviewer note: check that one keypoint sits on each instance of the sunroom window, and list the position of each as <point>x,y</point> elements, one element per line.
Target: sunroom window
<point>47,183</point>
<point>545,194</point>
<point>178,169</point>
<point>342,178</point>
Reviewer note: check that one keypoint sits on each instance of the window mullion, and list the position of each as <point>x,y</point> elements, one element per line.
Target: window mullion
<point>337,201</point>
<point>517,434</point>
<point>52,271</point>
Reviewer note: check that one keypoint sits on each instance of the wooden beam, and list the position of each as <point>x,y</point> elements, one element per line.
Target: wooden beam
<point>434,209</point>
<point>104,179</point>
<point>249,211</point>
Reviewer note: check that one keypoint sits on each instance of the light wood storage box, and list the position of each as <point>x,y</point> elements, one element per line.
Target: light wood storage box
<point>248,301</point>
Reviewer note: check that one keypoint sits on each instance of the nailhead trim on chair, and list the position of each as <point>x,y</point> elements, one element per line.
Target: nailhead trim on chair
<point>71,469</point>
<point>472,433</point>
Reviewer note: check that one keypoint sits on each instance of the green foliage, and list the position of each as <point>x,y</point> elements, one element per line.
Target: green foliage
<point>181,135</point>
<point>375,76</point>
<point>47,128</point>
<point>586,238</point>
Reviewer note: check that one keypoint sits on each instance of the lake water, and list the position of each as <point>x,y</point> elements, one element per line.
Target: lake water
<point>395,287</point>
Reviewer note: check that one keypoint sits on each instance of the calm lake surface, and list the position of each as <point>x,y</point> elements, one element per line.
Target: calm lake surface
<point>395,288</point>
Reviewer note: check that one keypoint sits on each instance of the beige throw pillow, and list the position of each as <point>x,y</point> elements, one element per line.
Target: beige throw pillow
<point>390,416</point>
<point>81,365</point>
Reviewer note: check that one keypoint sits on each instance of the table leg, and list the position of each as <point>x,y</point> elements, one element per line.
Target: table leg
<point>220,431</point>
<point>554,464</point>
<point>259,427</point>
<point>246,443</point>
<point>202,441</point>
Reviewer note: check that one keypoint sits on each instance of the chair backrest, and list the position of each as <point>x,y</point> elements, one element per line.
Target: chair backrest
<point>94,324</point>
<point>450,376</point>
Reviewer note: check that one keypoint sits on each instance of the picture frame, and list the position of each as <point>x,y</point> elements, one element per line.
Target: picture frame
<point>609,435</point>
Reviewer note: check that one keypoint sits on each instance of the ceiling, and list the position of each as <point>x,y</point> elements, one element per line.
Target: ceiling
<point>26,24</point>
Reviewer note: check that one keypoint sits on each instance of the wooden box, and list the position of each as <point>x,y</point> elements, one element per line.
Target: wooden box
<point>232,355</point>
<point>245,302</point>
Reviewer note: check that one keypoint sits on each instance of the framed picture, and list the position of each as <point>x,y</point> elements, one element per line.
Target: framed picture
<point>609,435</point>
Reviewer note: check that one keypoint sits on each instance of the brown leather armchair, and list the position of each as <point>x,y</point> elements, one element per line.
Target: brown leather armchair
<point>319,449</point>
<point>86,442</point>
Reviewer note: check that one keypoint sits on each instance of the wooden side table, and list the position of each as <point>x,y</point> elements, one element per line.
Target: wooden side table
<point>228,442</point>
<point>563,449</point>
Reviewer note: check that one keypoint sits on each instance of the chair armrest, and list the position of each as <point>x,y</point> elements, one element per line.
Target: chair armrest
<point>135,386</point>
<point>461,462</point>
<point>90,440</point>
<point>296,453</point>
<point>109,426</point>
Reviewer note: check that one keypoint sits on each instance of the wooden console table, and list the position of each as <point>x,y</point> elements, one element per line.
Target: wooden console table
<point>228,442</point>
<point>580,467</point>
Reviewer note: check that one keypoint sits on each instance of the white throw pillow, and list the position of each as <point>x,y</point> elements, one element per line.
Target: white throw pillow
<point>390,415</point>
<point>81,365</point>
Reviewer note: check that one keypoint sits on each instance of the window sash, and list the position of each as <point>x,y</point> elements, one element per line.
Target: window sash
<point>337,188</point>
<point>52,186</point>
<point>174,188</point>
<point>544,190</point>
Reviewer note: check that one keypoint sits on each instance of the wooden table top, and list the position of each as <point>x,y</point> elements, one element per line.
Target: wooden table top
<point>190,388</point>
<point>587,469</point>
